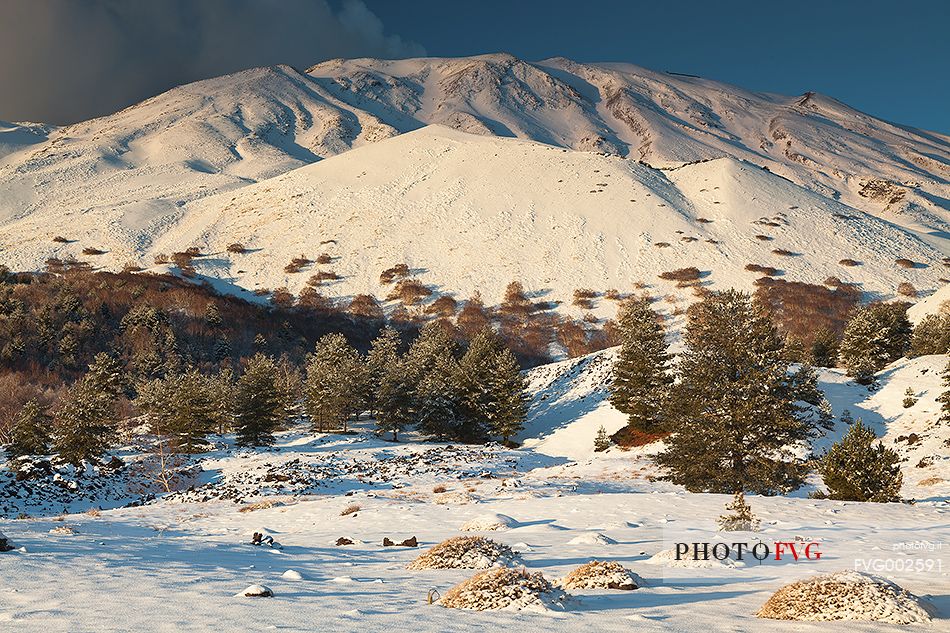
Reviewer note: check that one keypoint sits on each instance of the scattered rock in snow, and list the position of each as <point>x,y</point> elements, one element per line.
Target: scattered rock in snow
<point>409,542</point>
<point>465,552</point>
<point>343,541</point>
<point>488,523</point>
<point>260,539</point>
<point>5,544</point>
<point>591,538</point>
<point>504,588</point>
<point>602,575</point>
<point>256,591</point>
<point>292,574</point>
<point>63,530</point>
<point>845,595</point>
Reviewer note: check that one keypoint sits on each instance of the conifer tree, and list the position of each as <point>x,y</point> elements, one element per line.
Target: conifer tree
<point>181,408</point>
<point>641,378</point>
<point>944,398</point>
<point>395,403</point>
<point>857,469</point>
<point>223,393</point>
<point>334,382</point>
<point>932,334</point>
<point>824,348</point>
<point>383,353</point>
<point>437,400</point>
<point>507,415</point>
<point>30,434</point>
<point>290,388</point>
<point>258,408</point>
<point>84,422</point>
<point>877,335</point>
<point>601,441</point>
<point>735,412</point>
<point>910,398</point>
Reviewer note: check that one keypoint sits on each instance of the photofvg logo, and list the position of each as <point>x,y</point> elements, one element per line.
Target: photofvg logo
<point>742,551</point>
<point>907,556</point>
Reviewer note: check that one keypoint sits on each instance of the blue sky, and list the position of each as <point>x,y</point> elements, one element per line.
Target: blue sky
<point>890,59</point>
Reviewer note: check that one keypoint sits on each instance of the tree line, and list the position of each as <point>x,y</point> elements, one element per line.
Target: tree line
<point>444,388</point>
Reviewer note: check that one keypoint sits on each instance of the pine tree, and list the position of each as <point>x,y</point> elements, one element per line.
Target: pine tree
<point>641,378</point>
<point>476,370</point>
<point>857,469</point>
<point>290,388</point>
<point>735,413</point>
<point>846,418</point>
<point>510,407</point>
<point>824,348</point>
<point>601,441</point>
<point>84,424</point>
<point>437,400</point>
<point>258,409</point>
<point>932,334</point>
<point>30,434</point>
<point>383,353</point>
<point>181,408</point>
<point>106,375</point>
<point>739,518</point>
<point>944,398</point>
<point>223,392</point>
<point>877,335</point>
<point>334,383</point>
<point>395,403</point>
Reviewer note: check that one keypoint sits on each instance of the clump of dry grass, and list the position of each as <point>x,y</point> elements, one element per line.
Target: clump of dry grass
<point>353,508</point>
<point>504,589</point>
<point>849,262</point>
<point>260,505</point>
<point>907,289</point>
<point>439,489</point>
<point>91,250</point>
<point>602,575</point>
<point>390,275</point>
<point>662,244</point>
<point>584,298</point>
<point>783,252</point>
<point>297,264</point>
<point>903,262</point>
<point>237,248</point>
<point>465,552</point>
<point>763,238</point>
<point>765,270</point>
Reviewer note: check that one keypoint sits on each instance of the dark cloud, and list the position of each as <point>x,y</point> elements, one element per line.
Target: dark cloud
<point>69,60</point>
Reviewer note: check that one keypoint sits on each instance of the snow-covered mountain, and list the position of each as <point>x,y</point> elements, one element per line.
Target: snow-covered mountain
<point>239,158</point>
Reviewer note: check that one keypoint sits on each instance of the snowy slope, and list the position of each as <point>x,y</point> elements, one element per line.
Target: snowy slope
<point>471,213</point>
<point>664,119</point>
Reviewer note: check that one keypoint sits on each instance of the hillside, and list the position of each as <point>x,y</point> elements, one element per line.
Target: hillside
<point>123,182</point>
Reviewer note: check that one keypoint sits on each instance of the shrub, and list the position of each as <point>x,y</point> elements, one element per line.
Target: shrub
<point>465,552</point>
<point>704,220</point>
<point>297,264</point>
<point>584,298</point>
<point>353,508</point>
<point>409,291</point>
<point>765,270</point>
<point>236,247</point>
<point>903,262</point>
<point>907,289</point>
<point>59,239</point>
<point>740,517</point>
<point>857,469</point>
<point>445,307</point>
<point>763,238</point>
<point>503,589</point>
<point>160,258</point>
<point>324,258</point>
<point>682,274</point>
<point>849,262</point>
<point>365,306</point>
<point>602,575</point>
<point>90,250</point>
<point>783,251</point>
<point>662,244</point>
<point>390,275</point>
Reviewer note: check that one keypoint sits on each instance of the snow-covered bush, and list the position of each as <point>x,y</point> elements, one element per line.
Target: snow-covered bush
<point>845,595</point>
<point>488,523</point>
<point>608,574</point>
<point>504,589</point>
<point>465,552</point>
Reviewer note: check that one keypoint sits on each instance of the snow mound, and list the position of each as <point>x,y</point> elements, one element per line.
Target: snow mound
<point>606,574</point>
<point>845,595</point>
<point>488,523</point>
<point>504,589</point>
<point>667,558</point>
<point>465,552</point>
<point>292,574</point>
<point>256,591</point>
<point>591,538</point>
